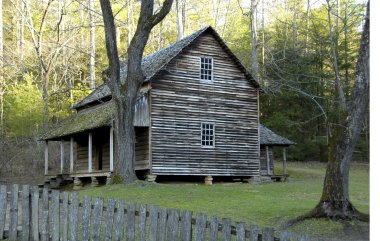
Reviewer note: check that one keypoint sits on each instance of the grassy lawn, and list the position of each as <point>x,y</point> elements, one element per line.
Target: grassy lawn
<point>267,204</point>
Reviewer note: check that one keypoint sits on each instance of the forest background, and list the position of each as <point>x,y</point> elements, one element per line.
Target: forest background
<point>52,54</point>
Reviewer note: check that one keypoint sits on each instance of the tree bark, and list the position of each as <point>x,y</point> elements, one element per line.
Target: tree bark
<point>92,44</point>
<point>2,82</point>
<point>254,54</point>
<point>124,93</point>
<point>180,17</point>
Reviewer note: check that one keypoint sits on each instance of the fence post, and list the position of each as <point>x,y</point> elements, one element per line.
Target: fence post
<point>98,214</point>
<point>200,227</point>
<point>173,219</point>
<point>153,222</point>
<point>109,220</point>
<point>119,226</point>
<point>86,218</point>
<point>131,221</point>
<point>214,225</point>
<point>13,213</point>
<point>254,233</point>
<point>142,222</point>
<point>240,231</point>
<point>226,229</point>
<point>74,210</point>
<point>34,226</point>
<point>268,234</point>
<point>186,225</point>
<point>3,207</point>
<point>55,215</point>
<point>25,212</point>
<point>162,224</point>
<point>65,215</point>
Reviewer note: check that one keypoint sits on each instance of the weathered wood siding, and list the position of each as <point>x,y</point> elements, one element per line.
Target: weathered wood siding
<point>263,160</point>
<point>141,117</point>
<point>181,102</point>
<point>142,148</point>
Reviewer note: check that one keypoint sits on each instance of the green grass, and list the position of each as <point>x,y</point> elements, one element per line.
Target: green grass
<point>267,204</point>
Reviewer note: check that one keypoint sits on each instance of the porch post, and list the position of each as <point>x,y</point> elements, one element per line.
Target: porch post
<point>62,154</point>
<point>46,156</point>
<point>284,159</point>
<point>71,154</point>
<point>89,152</point>
<point>111,149</point>
<point>268,160</point>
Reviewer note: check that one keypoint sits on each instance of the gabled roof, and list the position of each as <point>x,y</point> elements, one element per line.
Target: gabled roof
<point>269,138</point>
<point>156,61</point>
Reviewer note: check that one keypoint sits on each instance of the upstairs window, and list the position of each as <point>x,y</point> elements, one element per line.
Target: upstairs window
<point>208,134</point>
<point>206,69</point>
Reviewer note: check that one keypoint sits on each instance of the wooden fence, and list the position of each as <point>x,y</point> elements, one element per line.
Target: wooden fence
<point>30,213</point>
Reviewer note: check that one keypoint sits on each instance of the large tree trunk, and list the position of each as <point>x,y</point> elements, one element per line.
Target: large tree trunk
<point>335,201</point>
<point>124,95</point>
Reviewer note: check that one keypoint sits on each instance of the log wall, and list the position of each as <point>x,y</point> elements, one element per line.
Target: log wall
<point>181,102</point>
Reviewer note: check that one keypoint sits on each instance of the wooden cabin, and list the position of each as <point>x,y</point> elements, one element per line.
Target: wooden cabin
<point>196,114</point>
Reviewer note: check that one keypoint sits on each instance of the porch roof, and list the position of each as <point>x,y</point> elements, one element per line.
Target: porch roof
<point>269,138</point>
<point>88,119</point>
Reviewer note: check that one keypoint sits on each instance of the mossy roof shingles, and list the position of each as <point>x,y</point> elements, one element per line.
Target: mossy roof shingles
<point>269,138</point>
<point>89,119</point>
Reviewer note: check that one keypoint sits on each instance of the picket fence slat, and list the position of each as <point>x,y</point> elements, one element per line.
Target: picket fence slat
<point>34,213</point>
<point>25,212</point>
<point>44,222</point>
<point>142,222</point>
<point>97,218</point>
<point>109,220</point>
<point>131,221</point>
<point>254,233</point>
<point>65,215</point>
<point>3,206</point>
<point>240,231</point>
<point>153,222</point>
<point>162,224</point>
<point>119,225</point>
<point>186,217</point>
<point>86,218</point>
<point>55,215</point>
<point>285,236</point>
<point>13,213</point>
<point>74,213</point>
<point>200,227</point>
<point>226,229</point>
<point>173,219</point>
<point>214,229</point>
<point>268,234</point>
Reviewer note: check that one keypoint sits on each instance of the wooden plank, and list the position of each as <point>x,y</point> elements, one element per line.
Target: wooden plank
<point>173,220</point>
<point>44,222</point>
<point>284,160</point>
<point>34,208</point>
<point>89,152</point>
<point>119,225</point>
<point>240,231</point>
<point>13,213</point>
<point>285,236</point>
<point>214,225</point>
<point>142,222</point>
<point>25,199</point>
<point>74,212</point>
<point>254,233</point>
<point>200,227</point>
<point>268,234</point>
<point>71,154</point>
<point>153,222</point>
<point>97,219</point>
<point>226,229</point>
<point>186,217</point>
<point>46,157</point>
<point>65,215</point>
<point>268,159</point>
<point>62,154</point>
<point>162,224</point>
<point>55,215</point>
<point>109,220</point>
<point>86,218</point>
<point>3,207</point>
<point>131,221</point>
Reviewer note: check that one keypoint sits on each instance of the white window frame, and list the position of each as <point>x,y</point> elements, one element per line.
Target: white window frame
<point>200,69</point>
<point>208,135</point>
